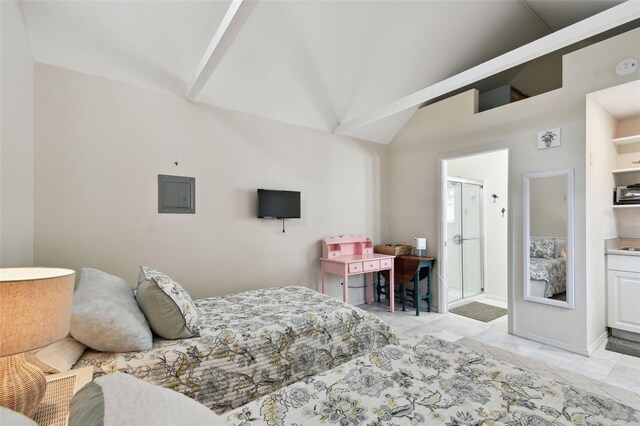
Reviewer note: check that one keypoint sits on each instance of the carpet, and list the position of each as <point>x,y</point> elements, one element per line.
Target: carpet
<point>623,346</point>
<point>479,311</point>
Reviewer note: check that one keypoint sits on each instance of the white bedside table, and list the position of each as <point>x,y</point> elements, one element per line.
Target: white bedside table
<point>54,408</point>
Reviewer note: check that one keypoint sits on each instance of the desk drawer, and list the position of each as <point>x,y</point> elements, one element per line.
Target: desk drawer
<point>332,254</point>
<point>386,263</point>
<point>355,267</point>
<point>371,265</point>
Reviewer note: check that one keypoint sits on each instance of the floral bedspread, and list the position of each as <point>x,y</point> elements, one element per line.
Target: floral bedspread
<point>251,344</point>
<point>426,380</point>
<point>553,271</point>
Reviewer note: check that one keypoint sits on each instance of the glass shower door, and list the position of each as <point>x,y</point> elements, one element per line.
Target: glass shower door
<point>464,240</point>
<point>454,248</point>
<point>472,276</point>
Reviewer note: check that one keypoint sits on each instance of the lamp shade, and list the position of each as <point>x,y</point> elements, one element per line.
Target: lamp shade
<point>35,307</point>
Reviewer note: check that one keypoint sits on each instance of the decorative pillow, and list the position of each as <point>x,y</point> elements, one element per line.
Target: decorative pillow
<point>563,252</point>
<point>58,357</point>
<point>105,315</point>
<point>541,248</point>
<point>167,306</point>
<point>120,399</point>
<point>558,244</point>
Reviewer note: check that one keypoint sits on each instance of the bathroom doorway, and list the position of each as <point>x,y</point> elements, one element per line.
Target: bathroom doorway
<point>474,229</point>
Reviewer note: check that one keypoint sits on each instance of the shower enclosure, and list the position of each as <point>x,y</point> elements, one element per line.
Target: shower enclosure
<point>465,239</point>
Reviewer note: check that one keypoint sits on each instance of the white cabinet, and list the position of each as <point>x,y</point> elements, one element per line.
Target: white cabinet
<point>623,282</point>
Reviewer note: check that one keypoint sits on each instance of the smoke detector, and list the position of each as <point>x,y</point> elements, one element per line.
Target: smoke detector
<point>626,66</point>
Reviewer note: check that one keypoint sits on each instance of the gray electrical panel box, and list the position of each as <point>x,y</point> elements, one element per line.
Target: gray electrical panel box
<point>176,194</point>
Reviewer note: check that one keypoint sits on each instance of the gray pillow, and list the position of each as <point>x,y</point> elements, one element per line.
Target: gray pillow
<point>120,399</point>
<point>105,315</point>
<point>168,307</point>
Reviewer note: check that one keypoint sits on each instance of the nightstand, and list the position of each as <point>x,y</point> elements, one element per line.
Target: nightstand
<point>54,408</point>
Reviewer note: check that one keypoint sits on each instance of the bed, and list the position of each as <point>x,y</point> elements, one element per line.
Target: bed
<point>426,380</point>
<point>547,266</point>
<point>251,344</point>
<point>550,274</point>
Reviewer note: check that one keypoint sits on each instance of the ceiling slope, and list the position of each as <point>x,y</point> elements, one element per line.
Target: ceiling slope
<point>578,32</point>
<point>320,63</point>
<point>151,44</point>
<point>310,63</point>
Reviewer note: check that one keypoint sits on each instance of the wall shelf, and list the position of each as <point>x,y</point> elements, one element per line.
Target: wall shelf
<point>631,170</point>
<point>627,139</point>
<point>626,206</point>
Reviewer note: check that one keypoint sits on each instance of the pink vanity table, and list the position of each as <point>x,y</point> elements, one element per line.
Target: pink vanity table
<point>353,255</point>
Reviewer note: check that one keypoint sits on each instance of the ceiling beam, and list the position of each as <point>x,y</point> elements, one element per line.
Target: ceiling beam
<point>596,24</point>
<point>236,16</point>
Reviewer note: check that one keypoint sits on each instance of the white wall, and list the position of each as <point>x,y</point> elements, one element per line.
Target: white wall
<point>430,135</point>
<point>548,206</point>
<point>450,127</point>
<point>101,144</point>
<point>601,159</point>
<point>16,136</point>
<point>493,169</point>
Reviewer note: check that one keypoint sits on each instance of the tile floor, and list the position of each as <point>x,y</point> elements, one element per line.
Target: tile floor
<point>454,294</point>
<point>610,367</point>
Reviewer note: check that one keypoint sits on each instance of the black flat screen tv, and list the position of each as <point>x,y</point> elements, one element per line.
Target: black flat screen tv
<point>278,204</point>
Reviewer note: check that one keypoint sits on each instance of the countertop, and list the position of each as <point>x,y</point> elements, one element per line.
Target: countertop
<point>613,245</point>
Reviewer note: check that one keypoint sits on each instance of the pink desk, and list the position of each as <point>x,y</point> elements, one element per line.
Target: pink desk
<point>353,255</point>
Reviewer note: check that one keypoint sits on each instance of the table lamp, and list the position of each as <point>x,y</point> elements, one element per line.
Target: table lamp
<point>35,310</point>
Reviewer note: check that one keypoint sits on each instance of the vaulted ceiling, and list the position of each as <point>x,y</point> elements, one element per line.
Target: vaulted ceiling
<point>311,63</point>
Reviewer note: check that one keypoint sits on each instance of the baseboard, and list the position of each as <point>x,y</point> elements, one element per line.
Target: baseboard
<point>466,300</point>
<point>494,297</point>
<point>551,342</point>
<point>601,338</point>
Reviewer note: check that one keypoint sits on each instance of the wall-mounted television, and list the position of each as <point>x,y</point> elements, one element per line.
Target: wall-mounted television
<point>278,204</point>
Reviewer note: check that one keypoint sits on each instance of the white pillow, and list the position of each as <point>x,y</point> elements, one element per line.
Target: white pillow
<point>558,245</point>
<point>11,418</point>
<point>58,357</point>
<point>120,400</point>
<point>105,315</point>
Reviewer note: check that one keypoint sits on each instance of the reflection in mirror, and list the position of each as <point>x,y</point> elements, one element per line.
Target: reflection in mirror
<point>548,237</point>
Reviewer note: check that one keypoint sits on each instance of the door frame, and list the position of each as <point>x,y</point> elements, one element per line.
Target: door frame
<point>483,226</point>
<point>442,191</point>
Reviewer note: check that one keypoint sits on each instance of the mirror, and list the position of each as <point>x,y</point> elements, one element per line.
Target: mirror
<point>548,238</point>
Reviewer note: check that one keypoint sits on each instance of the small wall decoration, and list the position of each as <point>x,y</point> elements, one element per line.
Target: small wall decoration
<point>549,138</point>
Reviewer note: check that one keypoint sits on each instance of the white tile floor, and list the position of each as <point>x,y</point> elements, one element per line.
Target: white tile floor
<point>610,367</point>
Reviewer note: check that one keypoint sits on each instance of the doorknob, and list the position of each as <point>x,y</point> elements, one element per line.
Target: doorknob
<point>457,239</point>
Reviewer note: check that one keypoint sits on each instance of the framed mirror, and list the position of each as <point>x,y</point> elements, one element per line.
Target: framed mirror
<point>548,237</point>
